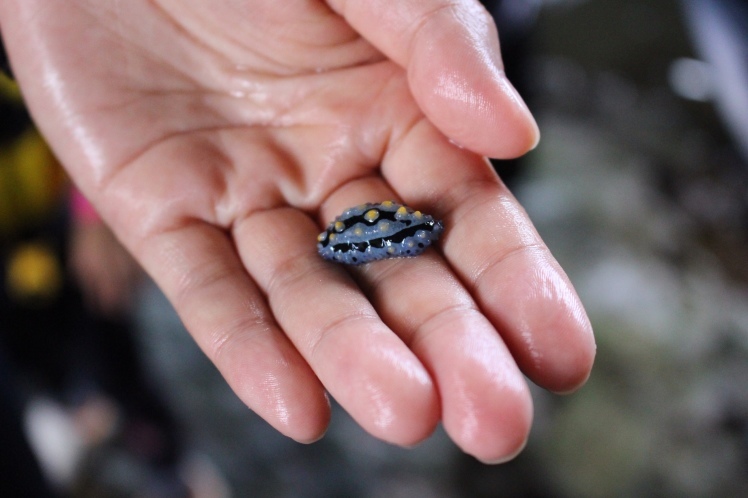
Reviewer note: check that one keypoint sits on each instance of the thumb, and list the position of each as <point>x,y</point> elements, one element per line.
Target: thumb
<point>450,49</point>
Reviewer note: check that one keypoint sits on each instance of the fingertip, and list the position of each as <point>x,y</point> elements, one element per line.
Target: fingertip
<point>387,390</point>
<point>309,419</point>
<point>289,398</point>
<point>403,410</point>
<point>487,405</point>
<point>311,428</point>
<point>304,433</point>
<point>563,353</point>
<point>504,430</point>
<point>523,133</point>
<point>569,374</point>
<point>457,78</point>
<point>487,117</point>
<point>451,52</point>
<point>542,320</point>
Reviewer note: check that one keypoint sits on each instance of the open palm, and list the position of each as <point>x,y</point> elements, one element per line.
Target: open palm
<point>216,138</point>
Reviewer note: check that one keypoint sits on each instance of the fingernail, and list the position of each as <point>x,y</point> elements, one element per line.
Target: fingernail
<point>514,97</point>
<point>505,458</point>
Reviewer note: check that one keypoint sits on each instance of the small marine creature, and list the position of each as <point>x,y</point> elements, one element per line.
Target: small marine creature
<point>374,231</point>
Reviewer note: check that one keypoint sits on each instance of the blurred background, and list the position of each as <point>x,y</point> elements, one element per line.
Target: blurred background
<point>639,187</point>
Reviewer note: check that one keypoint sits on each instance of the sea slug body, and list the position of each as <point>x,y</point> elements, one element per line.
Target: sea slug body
<point>375,231</point>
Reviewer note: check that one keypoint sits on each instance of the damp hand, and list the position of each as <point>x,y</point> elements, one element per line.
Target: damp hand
<point>217,138</point>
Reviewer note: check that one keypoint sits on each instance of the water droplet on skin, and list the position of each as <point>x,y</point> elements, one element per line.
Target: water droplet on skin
<point>456,144</point>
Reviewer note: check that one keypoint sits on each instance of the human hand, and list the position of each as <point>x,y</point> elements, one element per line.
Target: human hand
<point>217,138</point>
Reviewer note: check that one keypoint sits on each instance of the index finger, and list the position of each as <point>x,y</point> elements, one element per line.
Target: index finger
<point>450,49</point>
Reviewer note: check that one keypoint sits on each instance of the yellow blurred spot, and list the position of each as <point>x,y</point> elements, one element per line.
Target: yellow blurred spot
<point>371,215</point>
<point>9,89</point>
<point>339,226</point>
<point>321,237</point>
<point>31,182</point>
<point>34,273</point>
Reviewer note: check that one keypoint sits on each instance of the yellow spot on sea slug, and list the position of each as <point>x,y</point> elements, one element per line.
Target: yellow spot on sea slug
<point>321,237</point>
<point>339,226</point>
<point>371,215</point>
<point>401,212</point>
